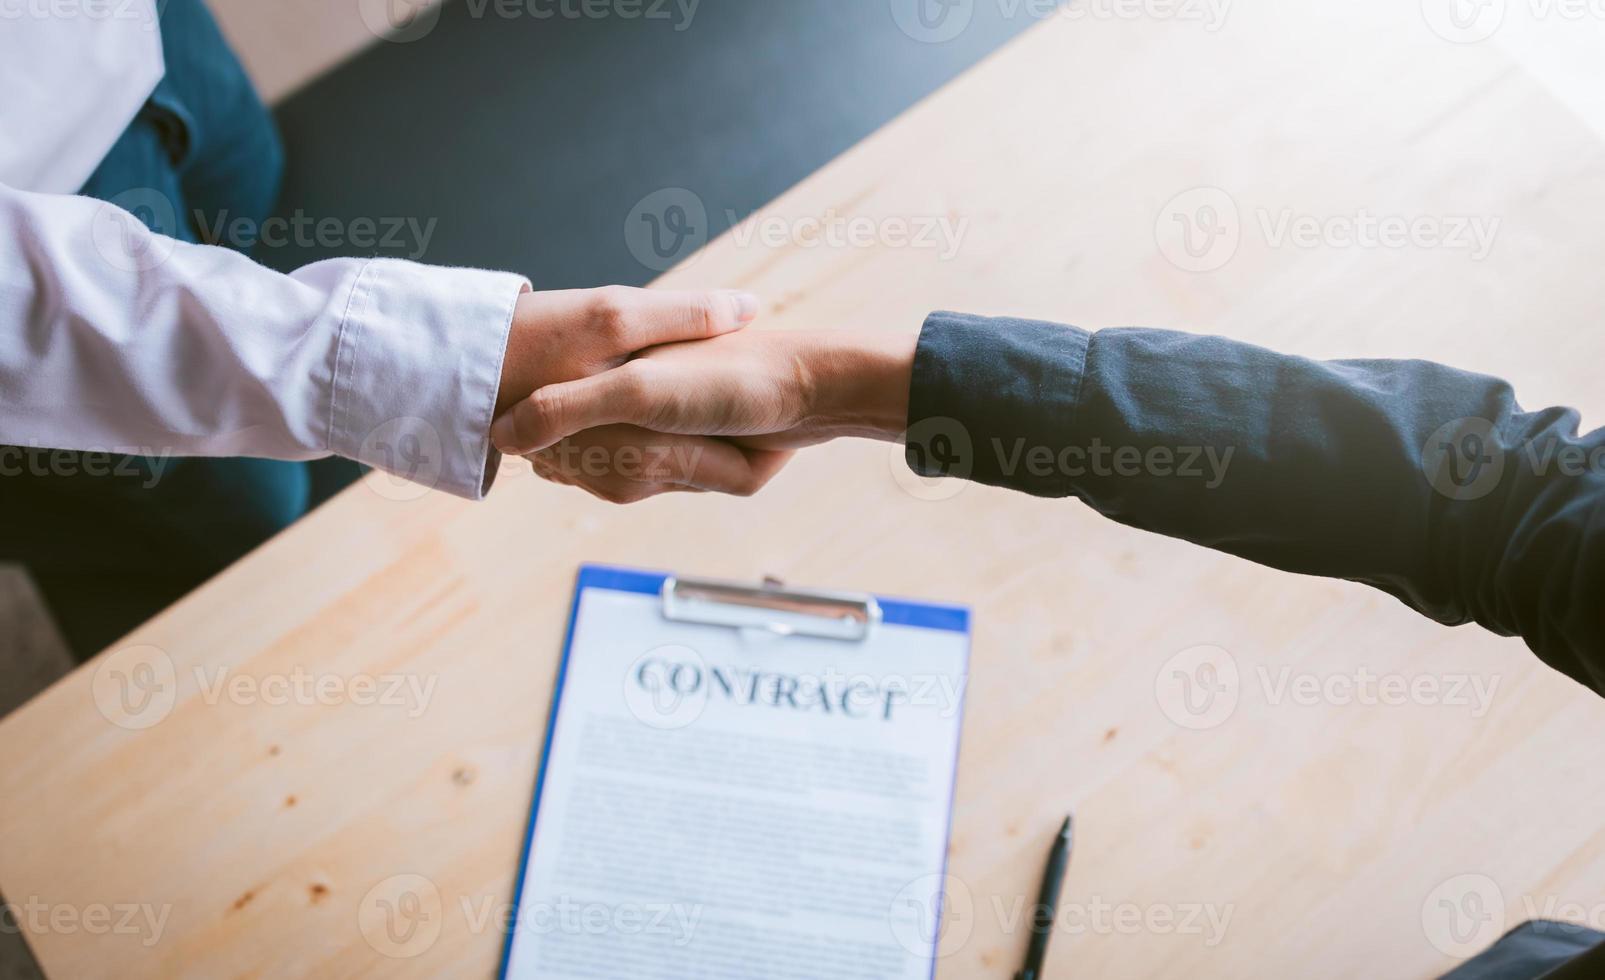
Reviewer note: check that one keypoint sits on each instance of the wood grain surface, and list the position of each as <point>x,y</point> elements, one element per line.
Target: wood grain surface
<point>1333,835</point>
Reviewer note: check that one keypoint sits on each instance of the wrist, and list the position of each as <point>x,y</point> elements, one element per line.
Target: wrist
<point>518,378</point>
<point>858,384</point>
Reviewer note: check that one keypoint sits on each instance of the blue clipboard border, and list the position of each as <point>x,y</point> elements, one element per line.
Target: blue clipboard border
<point>612,578</point>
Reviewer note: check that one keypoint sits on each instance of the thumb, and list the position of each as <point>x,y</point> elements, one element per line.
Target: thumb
<point>555,412</point>
<point>651,317</point>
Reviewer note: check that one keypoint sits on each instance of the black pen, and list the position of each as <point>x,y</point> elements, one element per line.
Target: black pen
<point>1047,907</point>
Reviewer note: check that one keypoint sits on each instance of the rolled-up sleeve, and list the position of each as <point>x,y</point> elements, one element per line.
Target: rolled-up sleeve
<point>116,339</point>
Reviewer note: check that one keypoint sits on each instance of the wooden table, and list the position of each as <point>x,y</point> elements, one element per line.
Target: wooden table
<point>1331,834</point>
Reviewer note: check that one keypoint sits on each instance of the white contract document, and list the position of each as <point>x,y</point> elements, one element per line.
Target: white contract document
<point>742,784</point>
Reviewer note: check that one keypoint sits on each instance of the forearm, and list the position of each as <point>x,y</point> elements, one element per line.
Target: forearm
<point>1306,466</point>
<point>856,384</point>
<point>116,338</point>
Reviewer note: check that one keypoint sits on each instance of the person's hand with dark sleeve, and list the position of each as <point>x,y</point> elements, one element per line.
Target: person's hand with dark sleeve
<point>1430,483</point>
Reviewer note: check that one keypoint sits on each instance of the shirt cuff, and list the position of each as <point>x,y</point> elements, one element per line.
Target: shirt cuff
<point>989,396</point>
<point>417,370</point>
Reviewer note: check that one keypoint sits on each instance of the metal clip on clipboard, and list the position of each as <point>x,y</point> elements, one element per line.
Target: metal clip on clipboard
<point>772,608</point>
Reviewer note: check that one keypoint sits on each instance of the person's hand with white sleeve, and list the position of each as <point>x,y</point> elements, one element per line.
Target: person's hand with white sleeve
<point>113,338</point>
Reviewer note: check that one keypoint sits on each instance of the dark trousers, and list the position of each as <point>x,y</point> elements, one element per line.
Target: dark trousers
<point>112,540</point>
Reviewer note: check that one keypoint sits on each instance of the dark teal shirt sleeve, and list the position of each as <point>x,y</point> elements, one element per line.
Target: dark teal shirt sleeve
<point>1427,482</point>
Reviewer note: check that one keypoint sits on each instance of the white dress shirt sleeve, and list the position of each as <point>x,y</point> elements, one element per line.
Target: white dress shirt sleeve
<point>114,339</point>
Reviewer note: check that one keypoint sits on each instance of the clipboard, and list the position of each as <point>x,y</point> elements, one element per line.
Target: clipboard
<point>849,771</point>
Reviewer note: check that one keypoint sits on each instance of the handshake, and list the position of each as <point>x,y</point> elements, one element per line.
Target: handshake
<point>671,382</point>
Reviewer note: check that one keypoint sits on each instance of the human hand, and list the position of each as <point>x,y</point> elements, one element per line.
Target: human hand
<point>566,335</point>
<point>625,464</point>
<point>768,391</point>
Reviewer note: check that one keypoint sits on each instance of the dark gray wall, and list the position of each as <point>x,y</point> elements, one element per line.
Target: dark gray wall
<point>529,142</point>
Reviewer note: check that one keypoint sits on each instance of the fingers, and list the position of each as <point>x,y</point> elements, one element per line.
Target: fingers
<point>615,323</point>
<point>642,318</point>
<point>558,411</point>
<point>624,464</point>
